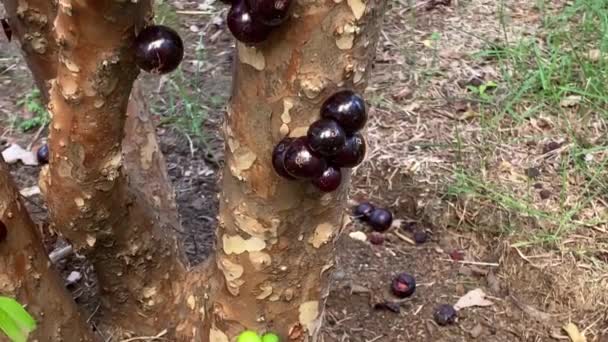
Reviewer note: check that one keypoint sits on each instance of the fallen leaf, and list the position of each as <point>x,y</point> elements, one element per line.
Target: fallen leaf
<point>358,236</point>
<point>570,101</point>
<point>29,192</point>
<point>574,333</point>
<point>473,298</point>
<point>14,153</point>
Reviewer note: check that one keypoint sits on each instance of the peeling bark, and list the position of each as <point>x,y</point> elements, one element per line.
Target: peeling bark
<point>276,237</point>
<point>27,274</point>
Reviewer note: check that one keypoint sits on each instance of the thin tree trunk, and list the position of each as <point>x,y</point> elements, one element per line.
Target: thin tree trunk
<point>27,274</point>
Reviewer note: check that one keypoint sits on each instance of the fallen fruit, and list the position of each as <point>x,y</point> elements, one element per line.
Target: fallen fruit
<point>300,162</point>
<point>420,236</point>
<point>352,152</point>
<point>243,25</point>
<point>330,179</point>
<point>376,238</point>
<point>3,231</point>
<point>270,12</point>
<point>326,137</point>
<point>249,336</point>
<point>158,49</point>
<point>270,337</point>
<point>404,285</point>
<point>347,108</point>
<point>445,314</point>
<point>278,158</point>
<point>43,154</point>
<point>363,211</point>
<point>380,219</point>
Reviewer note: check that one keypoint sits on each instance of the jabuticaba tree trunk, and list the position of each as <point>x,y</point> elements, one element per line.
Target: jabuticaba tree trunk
<point>27,274</point>
<point>86,188</point>
<point>276,237</point>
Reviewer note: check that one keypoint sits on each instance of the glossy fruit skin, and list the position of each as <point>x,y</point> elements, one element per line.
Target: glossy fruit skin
<point>404,285</point>
<point>249,336</point>
<point>243,25</point>
<point>43,154</point>
<point>421,236</point>
<point>380,220</point>
<point>158,49</point>
<point>347,108</point>
<point>363,211</point>
<point>376,238</point>
<point>326,137</point>
<point>278,158</point>
<point>3,231</point>
<point>270,12</point>
<point>445,314</point>
<point>300,162</point>
<point>352,153</point>
<point>270,337</point>
<point>330,179</point>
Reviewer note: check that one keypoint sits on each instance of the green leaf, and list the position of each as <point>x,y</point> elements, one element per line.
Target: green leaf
<point>15,322</point>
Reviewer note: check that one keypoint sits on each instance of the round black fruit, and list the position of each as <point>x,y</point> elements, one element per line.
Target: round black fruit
<point>244,26</point>
<point>445,314</point>
<point>363,211</point>
<point>158,49</point>
<point>352,153</point>
<point>278,158</point>
<point>270,12</point>
<point>330,179</point>
<point>326,137</point>
<point>380,220</point>
<point>43,154</point>
<point>421,236</point>
<point>404,285</point>
<point>300,162</point>
<point>346,107</point>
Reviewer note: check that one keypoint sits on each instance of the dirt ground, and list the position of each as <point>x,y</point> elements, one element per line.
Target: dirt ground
<point>419,103</point>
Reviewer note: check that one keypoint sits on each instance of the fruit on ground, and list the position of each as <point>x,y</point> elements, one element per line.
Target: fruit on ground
<point>326,137</point>
<point>158,49</point>
<point>445,314</point>
<point>270,337</point>
<point>301,162</point>
<point>404,285</point>
<point>43,154</point>
<point>363,211</point>
<point>244,26</point>
<point>347,108</point>
<point>3,231</point>
<point>248,336</point>
<point>376,238</point>
<point>270,12</point>
<point>352,153</point>
<point>278,158</point>
<point>421,236</point>
<point>380,219</point>
<point>330,179</point>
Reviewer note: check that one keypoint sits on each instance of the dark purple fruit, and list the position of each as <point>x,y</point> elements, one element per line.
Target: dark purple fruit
<point>363,211</point>
<point>43,154</point>
<point>403,285</point>
<point>278,158</point>
<point>380,220</point>
<point>421,236</point>
<point>243,25</point>
<point>445,314</point>
<point>330,179</point>
<point>376,238</point>
<point>300,162</point>
<point>347,108</point>
<point>326,137</point>
<point>352,153</point>
<point>270,12</point>
<point>3,231</point>
<point>158,49</point>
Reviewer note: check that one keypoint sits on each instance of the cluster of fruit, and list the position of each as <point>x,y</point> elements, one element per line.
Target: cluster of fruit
<point>251,21</point>
<point>252,336</point>
<point>332,142</point>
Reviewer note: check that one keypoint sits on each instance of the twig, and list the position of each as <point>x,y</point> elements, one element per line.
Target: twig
<point>61,253</point>
<point>142,338</point>
<point>478,263</point>
<point>404,238</point>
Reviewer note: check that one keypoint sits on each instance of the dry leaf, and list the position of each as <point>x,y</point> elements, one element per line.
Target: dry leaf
<point>29,192</point>
<point>15,153</point>
<point>473,298</point>
<point>570,101</point>
<point>358,236</point>
<point>574,333</point>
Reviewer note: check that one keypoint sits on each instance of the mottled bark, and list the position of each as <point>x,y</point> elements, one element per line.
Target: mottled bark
<point>276,237</point>
<point>27,274</point>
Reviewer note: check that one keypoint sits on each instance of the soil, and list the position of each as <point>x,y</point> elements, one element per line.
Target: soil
<point>453,262</point>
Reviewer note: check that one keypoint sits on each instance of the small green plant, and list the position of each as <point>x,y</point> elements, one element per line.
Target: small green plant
<point>32,102</point>
<point>482,90</point>
<point>15,322</point>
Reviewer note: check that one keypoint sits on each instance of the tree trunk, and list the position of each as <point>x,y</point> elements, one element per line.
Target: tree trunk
<point>27,274</point>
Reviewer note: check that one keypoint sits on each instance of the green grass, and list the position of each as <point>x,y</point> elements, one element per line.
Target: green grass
<point>32,103</point>
<point>538,74</point>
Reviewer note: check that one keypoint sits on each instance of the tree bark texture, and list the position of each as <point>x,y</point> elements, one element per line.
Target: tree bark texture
<point>86,189</point>
<point>27,274</point>
<point>276,237</point>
